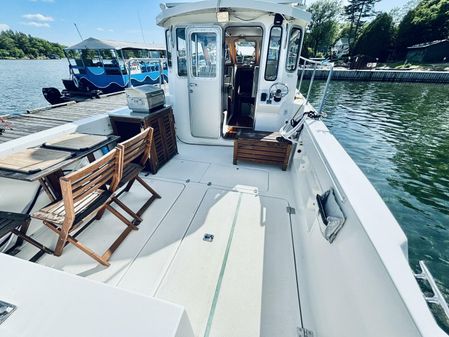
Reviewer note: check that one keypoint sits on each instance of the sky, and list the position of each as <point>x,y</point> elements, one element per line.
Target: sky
<point>54,20</point>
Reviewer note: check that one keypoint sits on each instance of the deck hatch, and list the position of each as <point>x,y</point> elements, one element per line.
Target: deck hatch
<point>6,309</point>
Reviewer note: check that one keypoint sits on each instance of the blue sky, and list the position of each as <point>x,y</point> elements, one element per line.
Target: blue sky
<point>113,19</point>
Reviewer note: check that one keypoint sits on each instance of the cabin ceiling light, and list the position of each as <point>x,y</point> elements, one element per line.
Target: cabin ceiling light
<point>223,16</point>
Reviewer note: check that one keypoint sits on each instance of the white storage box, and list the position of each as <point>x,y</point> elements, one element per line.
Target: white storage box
<point>145,98</point>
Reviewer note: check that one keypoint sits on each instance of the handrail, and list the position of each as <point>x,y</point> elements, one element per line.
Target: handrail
<point>148,60</point>
<point>437,297</point>
<point>294,125</point>
<point>306,66</point>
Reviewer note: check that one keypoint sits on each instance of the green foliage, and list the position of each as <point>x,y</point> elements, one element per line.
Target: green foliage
<point>377,38</point>
<point>19,45</point>
<point>356,11</point>
<point>429,21</point>
<point>324,25</point>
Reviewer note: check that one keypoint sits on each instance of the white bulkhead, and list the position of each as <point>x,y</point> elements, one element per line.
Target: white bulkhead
<point>224,60</point>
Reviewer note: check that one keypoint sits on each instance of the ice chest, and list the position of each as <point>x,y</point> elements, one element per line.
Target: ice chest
<point>145,98</point>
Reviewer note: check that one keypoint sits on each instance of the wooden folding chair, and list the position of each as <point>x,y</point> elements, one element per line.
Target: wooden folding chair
<point>136,152</point>
<point>84,195</point>
<point>17,224</point>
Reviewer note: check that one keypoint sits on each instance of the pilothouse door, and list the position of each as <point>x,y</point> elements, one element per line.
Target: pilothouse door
<point>204,80</point>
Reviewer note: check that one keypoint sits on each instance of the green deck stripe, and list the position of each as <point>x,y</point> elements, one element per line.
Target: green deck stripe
<point>223,268</point>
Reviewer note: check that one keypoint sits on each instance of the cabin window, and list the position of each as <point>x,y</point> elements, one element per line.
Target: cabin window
<point>274,50</point>
<point>110,63</point>
<point>294,44</point>
<point>181,51</point>
<point>245,51</point>
<point>168,47</point>
<point>204,54</point>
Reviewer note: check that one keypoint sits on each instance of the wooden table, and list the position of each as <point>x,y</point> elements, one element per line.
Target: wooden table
<point>49,178</point>
<point>127,124</point>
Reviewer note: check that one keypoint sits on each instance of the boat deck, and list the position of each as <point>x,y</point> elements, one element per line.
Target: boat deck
<point>243,283</point>
<point>49,117</point>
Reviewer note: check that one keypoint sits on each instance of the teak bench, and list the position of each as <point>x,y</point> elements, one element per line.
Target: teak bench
<point>262,147</point>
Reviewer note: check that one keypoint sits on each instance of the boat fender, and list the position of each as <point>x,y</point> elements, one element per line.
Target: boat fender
<point>331,217</point>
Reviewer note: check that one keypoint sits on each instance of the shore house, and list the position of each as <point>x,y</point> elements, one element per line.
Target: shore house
<point>429,52</point>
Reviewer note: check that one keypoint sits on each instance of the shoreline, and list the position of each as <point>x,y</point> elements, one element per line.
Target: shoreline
<point>411,76</point>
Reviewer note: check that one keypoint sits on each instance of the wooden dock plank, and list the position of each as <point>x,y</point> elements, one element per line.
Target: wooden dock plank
<point>48,117</point>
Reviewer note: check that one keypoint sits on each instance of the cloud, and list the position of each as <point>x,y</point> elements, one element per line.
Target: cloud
<point>101,29</point>
<point>4,26</point>
<point>36,24</point>
<point>38,17</point>
<point>37,20</point>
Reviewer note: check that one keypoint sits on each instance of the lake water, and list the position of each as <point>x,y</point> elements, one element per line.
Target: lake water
<point>21,83</point>
<point>397,133</point>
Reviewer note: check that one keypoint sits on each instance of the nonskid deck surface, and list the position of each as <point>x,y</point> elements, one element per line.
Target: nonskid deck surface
<point>242,283</point>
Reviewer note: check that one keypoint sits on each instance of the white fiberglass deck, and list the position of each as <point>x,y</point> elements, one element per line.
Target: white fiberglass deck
<point>242,283</point>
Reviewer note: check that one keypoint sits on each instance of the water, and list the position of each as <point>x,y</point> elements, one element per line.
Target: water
<point>21,83</point>
<point>398,134</point>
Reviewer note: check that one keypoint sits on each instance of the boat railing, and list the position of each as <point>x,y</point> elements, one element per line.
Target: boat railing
<point>306,64</point>
<point>291,129</point>
<point>161,62</point>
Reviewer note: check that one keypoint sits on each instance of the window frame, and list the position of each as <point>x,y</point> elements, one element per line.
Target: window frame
<point>168,48</point>
<point>278,56</point>
<point>177,51</point>
<point>288,49</point>
<point>195,73</point>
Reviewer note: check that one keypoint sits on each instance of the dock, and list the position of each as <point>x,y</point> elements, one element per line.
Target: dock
<point>381,75</point>
<point>55,115</point>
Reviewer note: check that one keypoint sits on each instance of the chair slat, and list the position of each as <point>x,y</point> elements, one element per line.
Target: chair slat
<point>75,176</point>
<point>92,176</point>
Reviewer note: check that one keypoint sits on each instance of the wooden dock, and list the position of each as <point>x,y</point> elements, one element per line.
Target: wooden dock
<point>381,75</point>
<point>49,117</point>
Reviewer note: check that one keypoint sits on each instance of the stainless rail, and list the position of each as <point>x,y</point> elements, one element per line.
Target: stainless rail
<point>307,65</point>
<point>437,297</point>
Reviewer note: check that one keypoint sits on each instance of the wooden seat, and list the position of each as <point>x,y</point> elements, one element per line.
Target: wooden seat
<point>17,224</point>
<point>137,149</point>
<point>84,195</point>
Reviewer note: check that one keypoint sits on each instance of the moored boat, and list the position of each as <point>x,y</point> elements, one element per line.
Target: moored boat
<point>106,66</point>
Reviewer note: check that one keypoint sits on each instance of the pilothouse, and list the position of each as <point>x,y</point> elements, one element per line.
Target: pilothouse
<point>239,72</point>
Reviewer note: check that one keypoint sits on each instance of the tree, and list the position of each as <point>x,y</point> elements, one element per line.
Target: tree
<point>398,13</point>
<point>429,21</point>
<point>19,45</point>
<point>377,38</point>
<point>356,11</point>
<point>324,24</point>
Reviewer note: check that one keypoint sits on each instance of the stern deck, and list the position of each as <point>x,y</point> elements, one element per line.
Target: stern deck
<point>243,283</point>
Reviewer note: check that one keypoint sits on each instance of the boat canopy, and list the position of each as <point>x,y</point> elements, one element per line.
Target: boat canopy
<point>289,9</point>
<point>92,43</point>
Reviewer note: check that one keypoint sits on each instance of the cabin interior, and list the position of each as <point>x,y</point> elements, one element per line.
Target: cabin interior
<point>241,73</point>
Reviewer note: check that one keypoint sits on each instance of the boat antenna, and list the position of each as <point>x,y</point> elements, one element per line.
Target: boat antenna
<point>79,33</point>
<point>141,28</point>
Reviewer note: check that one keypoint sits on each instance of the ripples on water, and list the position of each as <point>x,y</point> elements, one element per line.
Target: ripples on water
<point>398,134</point>
<point>21,83</point>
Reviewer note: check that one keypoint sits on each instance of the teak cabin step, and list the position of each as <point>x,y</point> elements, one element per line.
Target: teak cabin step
<point>262,147</point>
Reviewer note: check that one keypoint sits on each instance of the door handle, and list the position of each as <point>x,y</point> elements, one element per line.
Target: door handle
<point>193,85</point>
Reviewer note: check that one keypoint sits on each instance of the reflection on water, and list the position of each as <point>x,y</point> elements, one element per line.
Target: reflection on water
<point>21,83</point>
<point>398,134</point>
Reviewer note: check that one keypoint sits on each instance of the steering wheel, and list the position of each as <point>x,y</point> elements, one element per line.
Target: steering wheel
<point>278,91</point>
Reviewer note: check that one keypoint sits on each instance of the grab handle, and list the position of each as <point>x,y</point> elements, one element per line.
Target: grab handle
<point>437,297</point>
